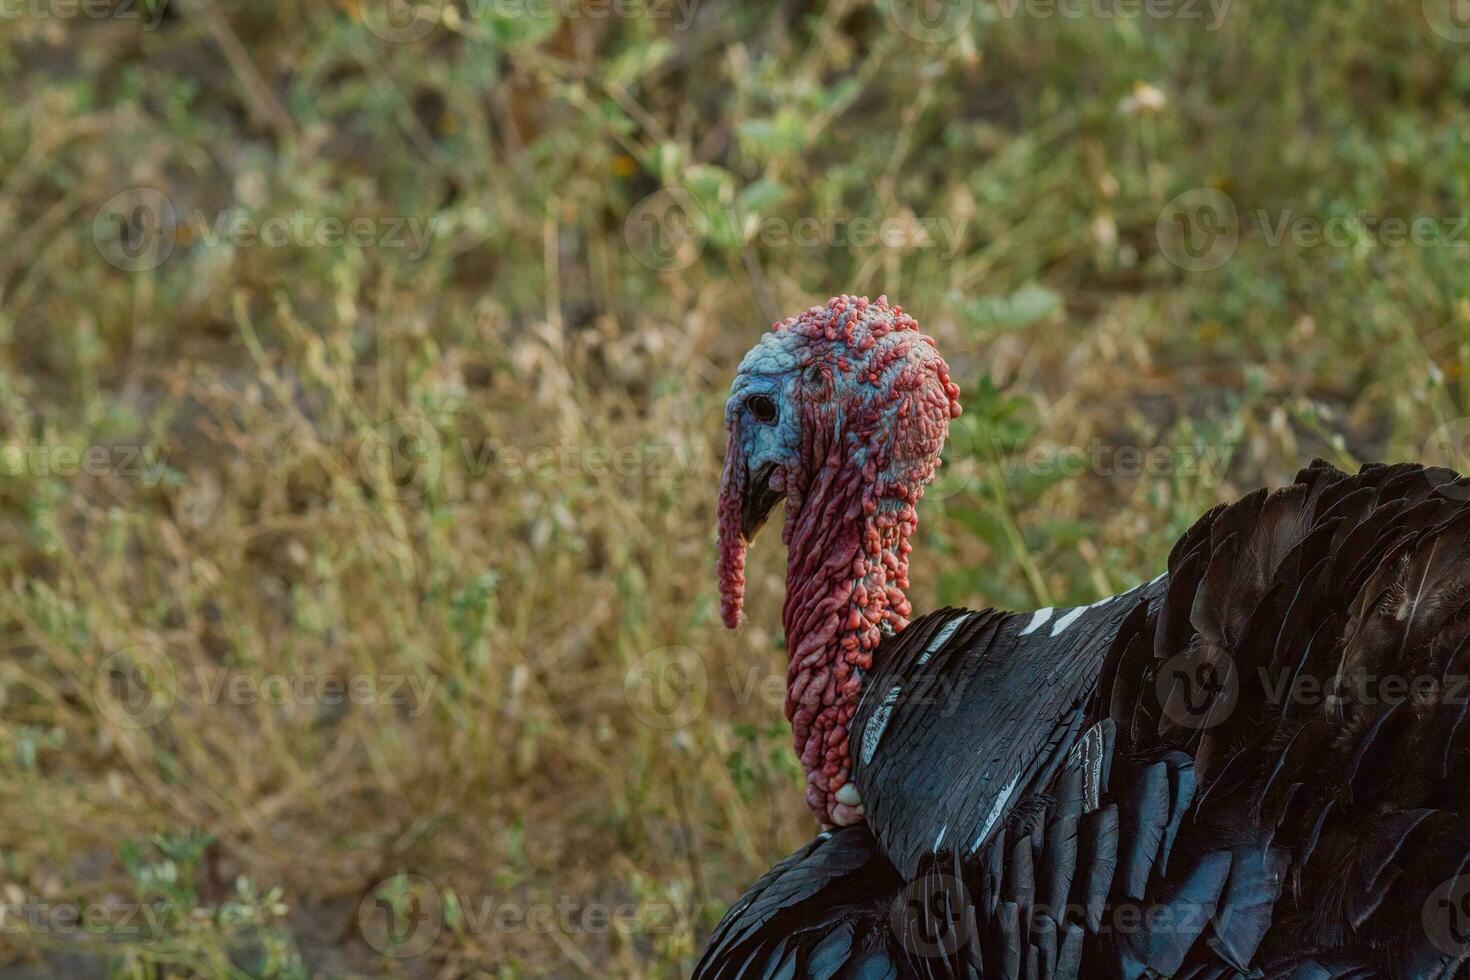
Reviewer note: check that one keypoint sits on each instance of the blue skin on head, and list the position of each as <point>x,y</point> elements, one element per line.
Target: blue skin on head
<point>772,370</point>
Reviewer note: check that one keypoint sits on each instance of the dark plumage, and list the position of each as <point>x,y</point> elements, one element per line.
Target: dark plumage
<point>1257,765</point>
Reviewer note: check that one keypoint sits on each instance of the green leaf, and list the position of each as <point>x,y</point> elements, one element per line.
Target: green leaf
<point>783,135</point>
<point>1030,304</point>
<point>637,60</point>
<point>761,195</point>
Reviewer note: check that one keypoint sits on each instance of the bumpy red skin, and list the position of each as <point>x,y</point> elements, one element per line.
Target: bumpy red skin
<point>875,401</point>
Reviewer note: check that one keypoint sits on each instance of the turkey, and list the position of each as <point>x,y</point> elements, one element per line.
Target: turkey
<point>1255,765</point>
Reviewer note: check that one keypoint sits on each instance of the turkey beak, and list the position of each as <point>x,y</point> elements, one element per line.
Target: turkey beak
<point>759,501</point>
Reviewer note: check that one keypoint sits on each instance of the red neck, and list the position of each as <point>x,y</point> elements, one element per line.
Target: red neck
<point>846,573</point>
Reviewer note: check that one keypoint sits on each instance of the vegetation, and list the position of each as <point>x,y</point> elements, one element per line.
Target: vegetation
<point>361,392</point>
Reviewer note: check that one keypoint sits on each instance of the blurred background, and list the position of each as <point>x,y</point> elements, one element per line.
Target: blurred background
<point>362,374</point>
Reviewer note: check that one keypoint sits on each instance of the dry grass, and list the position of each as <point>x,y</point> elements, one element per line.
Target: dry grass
<point>550,535</point>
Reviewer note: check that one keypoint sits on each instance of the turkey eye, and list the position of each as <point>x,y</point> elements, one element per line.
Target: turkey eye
<point>762,408</point>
